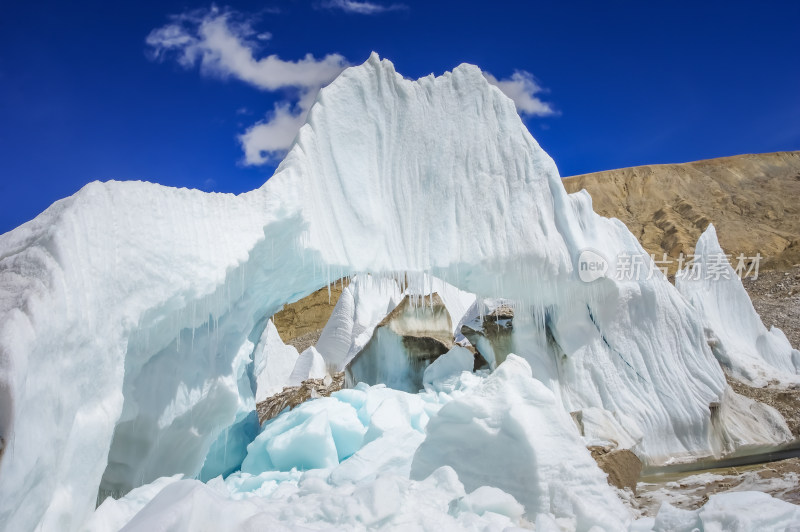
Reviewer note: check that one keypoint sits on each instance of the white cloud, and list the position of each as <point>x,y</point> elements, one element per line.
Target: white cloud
<point>224,44</point>
<point>266,141</point>
<point>523,88</point>
<point>362,7</point>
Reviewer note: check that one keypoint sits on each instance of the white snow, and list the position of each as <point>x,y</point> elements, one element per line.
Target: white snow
<point>309,503</point>
<point>114,514</point>
<point>743,510</point>
<point>309,365</point>
<point>489,499</point>
<point>446,369</point>
<point>740,341</point>
<point>509,433</point>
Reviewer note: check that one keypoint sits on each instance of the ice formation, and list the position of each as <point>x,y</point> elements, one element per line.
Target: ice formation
<point>367,300</point>
<point>273,363</point>
<point>362,305</point>
<point>490,335</point>
<point>364,439</point>
<point>130,312</point>
<point>746,348</point>
<point>509,433</point>
<point>448,367</point>
<point>403,344</point>
<point>309,365</point>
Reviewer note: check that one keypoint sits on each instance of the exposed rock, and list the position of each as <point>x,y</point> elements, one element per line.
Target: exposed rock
<point>403,344</point>
<point>491,336</point>
<point>751,199</point>
<point>785,400</point>
<point>622,466</point>
<point>776,298</point>
<point>292,396</point>
<point>303,342</point>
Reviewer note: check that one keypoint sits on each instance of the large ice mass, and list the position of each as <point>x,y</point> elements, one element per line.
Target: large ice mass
<point>135,338</point>
<point>738,338</point>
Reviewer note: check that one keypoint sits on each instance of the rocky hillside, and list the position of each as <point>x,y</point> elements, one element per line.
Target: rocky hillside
<point>751,199</point>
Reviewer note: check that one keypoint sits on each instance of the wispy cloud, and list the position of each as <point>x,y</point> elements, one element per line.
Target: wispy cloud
<point>523,89</point>
<point>266,141</point>
<point>362,7</point>
<point>224,44</point>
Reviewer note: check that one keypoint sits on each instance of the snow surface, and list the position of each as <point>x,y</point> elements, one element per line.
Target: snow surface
<point>740,341</point>
<point>445,370</point>
<point>129,312</point>
<point>391,502</point>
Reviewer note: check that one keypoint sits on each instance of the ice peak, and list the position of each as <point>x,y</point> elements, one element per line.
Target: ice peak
<point>465,70</point>
<point>708,243</point>
<point>407,168</point>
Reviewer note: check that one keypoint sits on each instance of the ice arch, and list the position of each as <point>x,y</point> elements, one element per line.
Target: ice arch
<point>128,306</point>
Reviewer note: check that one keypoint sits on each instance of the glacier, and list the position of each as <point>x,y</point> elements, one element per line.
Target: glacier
<point>133,316</point>
<point>739,339</point>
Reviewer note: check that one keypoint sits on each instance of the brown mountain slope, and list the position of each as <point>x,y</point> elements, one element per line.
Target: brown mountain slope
<point>752,200</point>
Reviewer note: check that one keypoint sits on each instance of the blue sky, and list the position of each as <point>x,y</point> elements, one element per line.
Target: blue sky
<point>145,90</point>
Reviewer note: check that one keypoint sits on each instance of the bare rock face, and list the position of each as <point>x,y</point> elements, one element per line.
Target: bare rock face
<point>491,336</point>
<point>622,466</point>
<point>403,344</point>
<point>776,298</point>
<point>291,396</point>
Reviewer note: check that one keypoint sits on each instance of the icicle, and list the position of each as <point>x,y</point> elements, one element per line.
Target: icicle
<point>225,452</point>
